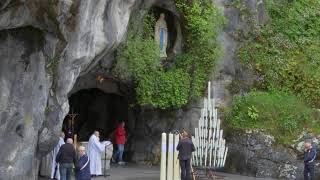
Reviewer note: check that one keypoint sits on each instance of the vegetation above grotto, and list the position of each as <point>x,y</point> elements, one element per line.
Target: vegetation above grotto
<point>172,86</point>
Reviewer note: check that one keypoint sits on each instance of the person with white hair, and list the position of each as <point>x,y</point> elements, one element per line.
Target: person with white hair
<point>83,165</point>
<point>66,158</point>
<point>95,149</point>
<point>310,155</point>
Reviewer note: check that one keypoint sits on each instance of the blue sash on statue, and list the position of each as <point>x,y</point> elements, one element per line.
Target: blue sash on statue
<point>161,38</point>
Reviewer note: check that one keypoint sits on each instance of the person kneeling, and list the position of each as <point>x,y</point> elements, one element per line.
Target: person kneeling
<point>83,165</point>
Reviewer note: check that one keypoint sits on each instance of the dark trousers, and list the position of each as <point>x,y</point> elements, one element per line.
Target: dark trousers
<point>185,169</point>
<point>308,172</point>
<point>65,171</point>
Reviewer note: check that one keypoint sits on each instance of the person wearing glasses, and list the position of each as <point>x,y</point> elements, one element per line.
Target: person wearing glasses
<point>82,168</point>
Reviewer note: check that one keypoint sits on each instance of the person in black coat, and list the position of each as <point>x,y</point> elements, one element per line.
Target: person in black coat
<point>310,154</point>
<point>83,165</point>
<point>66,158</point>
<point>185,148</point>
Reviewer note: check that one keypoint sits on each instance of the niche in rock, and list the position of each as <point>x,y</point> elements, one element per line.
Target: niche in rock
<point>173,26</point>
<point>95,110</point>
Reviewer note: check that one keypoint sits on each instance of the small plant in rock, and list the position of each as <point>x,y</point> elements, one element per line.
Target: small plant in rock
<point>52,65</point>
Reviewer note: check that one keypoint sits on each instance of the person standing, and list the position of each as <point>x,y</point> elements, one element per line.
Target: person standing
<point>309,157</point>
<point>185,148</point>
<point>55,167</point>
<point>95,149</point>
<point>66,158</point>
<point>120,140</point>
<point>83,165</point>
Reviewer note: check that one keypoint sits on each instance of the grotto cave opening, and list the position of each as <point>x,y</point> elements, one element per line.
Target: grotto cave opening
<point>95,110</point>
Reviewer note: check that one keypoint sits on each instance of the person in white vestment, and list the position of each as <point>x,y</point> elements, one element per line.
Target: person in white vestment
<point>54,171</point>
<point>95,150</point>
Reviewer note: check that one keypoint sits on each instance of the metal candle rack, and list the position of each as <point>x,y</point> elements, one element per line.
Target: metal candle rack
<point>211,151</point>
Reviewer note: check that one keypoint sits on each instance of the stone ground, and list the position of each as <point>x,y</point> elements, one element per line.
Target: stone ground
<point>134,172</point>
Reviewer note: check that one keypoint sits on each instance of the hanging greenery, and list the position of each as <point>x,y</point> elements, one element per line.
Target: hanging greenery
<point>139,60</point>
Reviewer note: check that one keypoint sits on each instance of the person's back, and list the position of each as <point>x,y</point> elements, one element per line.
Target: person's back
<point>66,157</point>
<point>67,154</point>
<point>185,148</point>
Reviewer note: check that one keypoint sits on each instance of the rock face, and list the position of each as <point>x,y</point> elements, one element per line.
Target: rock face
<point>23,98</point>
<point>150,124</point>
<point>229,75</point>
<point>254,153</point>
<point>44,47</point>
<point>51,49</point>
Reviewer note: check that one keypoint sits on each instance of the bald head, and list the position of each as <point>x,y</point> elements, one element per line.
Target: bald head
<point>82,150</point>
<point>69,141</point>
<point>307,145</point>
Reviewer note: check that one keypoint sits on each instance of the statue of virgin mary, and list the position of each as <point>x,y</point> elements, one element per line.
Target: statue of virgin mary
<point>161,35</point>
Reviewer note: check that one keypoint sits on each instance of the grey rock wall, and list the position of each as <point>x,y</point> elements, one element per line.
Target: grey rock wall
<point>229,69</point>
<point>255,153</point>
<point>150,124</point>
<point>23,98</point>
<point>39,66</point>
<point>45,45</point>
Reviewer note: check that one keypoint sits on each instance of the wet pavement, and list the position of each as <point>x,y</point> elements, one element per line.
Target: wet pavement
<point>139,172</point>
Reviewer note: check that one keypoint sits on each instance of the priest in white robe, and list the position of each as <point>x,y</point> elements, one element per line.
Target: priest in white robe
<point>95,150</point>
<point>54,155</point>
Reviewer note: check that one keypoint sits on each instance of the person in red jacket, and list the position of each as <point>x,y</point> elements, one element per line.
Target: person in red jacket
<point>120,140</point>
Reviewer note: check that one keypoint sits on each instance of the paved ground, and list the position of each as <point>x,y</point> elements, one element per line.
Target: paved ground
<point>134,172</point>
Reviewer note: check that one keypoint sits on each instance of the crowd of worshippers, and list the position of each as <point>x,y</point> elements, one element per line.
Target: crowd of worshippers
<point>89,161</point>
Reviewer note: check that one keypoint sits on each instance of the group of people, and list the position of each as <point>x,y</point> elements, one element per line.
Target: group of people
<point>89,162</point>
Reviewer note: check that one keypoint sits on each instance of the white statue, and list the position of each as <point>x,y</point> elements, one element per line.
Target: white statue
<point>161,35</point>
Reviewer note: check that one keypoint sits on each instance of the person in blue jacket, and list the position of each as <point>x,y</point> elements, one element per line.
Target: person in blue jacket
<point>83,165</point>
<point>310,155</point>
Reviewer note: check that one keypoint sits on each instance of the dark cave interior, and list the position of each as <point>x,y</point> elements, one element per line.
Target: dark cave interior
<point>95,110</point>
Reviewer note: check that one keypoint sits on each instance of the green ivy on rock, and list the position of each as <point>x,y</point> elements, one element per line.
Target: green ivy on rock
<point>138,58</point>
<point>164,89</point>
<point>286,51</point>
<point>280,114</point>
<point>202,21</point>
